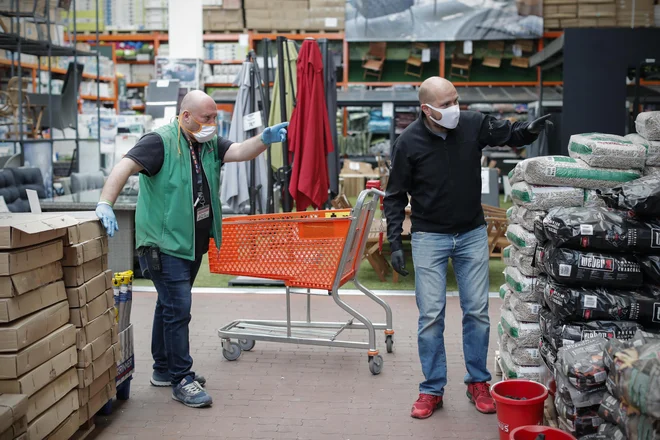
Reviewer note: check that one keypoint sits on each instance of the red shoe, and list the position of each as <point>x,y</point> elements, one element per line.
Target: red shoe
<point>479,394</point>
<point>425,406</point>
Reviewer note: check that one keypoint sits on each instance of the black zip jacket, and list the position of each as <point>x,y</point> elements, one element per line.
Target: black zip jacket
<point>443,176</point>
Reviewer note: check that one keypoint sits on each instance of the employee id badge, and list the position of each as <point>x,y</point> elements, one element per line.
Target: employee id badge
<point>203,213</point>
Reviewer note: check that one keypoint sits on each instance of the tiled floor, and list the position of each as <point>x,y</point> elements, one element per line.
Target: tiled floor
<point>282,391</point>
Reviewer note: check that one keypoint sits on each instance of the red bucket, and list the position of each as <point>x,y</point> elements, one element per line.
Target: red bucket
<point>513,413</point>
<point>531,432</point>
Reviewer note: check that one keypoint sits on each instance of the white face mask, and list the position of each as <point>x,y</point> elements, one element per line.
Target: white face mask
<point>205,132</point>
<point>450,116</point>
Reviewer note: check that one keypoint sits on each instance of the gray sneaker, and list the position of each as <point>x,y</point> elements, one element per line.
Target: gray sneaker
<point>163,379</point>
<point>191,394</point>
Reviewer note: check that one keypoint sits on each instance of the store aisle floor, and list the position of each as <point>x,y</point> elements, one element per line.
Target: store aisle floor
<point>282,391</point>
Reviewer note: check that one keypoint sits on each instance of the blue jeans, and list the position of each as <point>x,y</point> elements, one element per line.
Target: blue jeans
<point>470,256</point>
<point>170,343</point>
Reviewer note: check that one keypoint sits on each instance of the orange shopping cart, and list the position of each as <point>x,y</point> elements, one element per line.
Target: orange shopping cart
<point>316,250</point>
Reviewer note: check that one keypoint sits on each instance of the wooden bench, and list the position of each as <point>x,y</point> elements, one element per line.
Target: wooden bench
<point>496,224</point>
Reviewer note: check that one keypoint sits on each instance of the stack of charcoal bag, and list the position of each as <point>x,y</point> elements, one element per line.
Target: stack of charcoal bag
<point>595,290</point>
<point>538,185</point>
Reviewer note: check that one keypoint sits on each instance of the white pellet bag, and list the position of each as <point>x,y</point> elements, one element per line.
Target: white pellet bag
<point>648,125</point>
<point>521,285</point>
<point>521,356</point>
<point>652,171</point>
<point>591,199</point>
<point>524,241</point>
<point>513,371</point>
<point>607,151</point>
<point>652,149</point>
<point>542,198</point>
<point>526,334</point>
<point>507,257</point>
<point>524,263</point>
<point>523,216</point>
<point>524,311</point>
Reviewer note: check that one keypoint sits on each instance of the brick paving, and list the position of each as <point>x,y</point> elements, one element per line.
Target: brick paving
<point>282,391</point>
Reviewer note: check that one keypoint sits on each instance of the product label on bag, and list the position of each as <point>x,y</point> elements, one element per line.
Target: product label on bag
<point>655,238</point>
<point>656,312</point>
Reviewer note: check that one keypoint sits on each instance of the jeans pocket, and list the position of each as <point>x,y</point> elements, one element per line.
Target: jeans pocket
<point>144,267</point>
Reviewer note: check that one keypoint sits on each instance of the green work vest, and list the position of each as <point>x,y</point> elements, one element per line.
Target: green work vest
<point>164,216</point>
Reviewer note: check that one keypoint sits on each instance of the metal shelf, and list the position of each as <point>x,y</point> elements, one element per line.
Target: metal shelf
<point>12,42</point>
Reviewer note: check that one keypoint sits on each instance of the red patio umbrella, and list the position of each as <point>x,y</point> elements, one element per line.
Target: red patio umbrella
<point>310,139</point>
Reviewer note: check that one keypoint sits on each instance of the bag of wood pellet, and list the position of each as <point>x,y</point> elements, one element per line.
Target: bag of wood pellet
<point>648,125</point>
<point>641,196</point>
<point>511,256</point>
<point>512,371</point>
<point>523,216</point>
<point>607,151</point>
<point>579,421</point>
<point>600,229</point>
<point>524,311</point>
<point>652,171</point>
<point>521,356</point>
<point>542,198</point>
<point>507,257</point>
<point>522,239</point>
<point>592,200</point>
<point>574,267</point>
<point>573,303</point>
<point>526,334</point>
<point>566,171</point>
<point>523,286</point>
<point>652,149</point>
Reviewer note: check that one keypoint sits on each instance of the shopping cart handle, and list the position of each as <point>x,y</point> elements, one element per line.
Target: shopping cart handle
<point>377,191</point>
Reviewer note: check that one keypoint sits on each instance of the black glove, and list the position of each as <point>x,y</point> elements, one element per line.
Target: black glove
<point>537,125</point>
<point>399,262</point>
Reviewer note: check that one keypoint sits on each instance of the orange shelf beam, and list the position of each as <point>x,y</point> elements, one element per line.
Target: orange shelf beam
<point>137,107</point>
<point>134,62</point>
<point>136,85</point>
<point>116,37</point>
<point>95,98</point>
<point>329,36</point>
<point>223,61</point>
<point>29,66</point>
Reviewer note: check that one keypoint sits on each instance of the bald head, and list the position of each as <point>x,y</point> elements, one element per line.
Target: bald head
<point>436,89</point>
<point>197,108</point>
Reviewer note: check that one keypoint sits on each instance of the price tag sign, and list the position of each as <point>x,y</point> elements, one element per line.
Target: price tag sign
<point>331,22</point>
<point>388,109</point>
<point>426,55</point>
<point>243,40</point>
<point>467,47</point>
<point>252,121</point>
<point>162,83</point>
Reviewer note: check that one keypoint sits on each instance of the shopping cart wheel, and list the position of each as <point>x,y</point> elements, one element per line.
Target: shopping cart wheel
<point>389,342</point>
<point>233,353</point>
<point>375,364</point>
<point>246,344</point>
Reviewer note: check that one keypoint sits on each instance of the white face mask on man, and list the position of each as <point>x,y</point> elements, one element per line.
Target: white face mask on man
<point>205,132</point>
<point>450,116</point>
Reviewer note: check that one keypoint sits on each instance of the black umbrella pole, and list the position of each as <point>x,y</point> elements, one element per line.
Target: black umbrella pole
<point>253,167</point>
<point>270,206</point>
<point>286,197</point>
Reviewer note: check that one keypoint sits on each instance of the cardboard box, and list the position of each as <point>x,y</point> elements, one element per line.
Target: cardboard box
<point>19,306</point>
<point>22,260</point>
<point>232,4</point>
<point>19,230</point>
<point>84,230</point>
<point>81,316</point>
<point>558,2</point>
<point>81,253</point>
<point>350,167</point>
<point>79,275</point>
<point>560,11</point>
<point>587,22</point>
<point>15,365</point>
<point>88,375</point>
<point>79,296</point>
<point>84,394</point>
<point>67,428</point>
<point>97,401</point>
<point>569,22</point>
<point>30,329</point>
<point>94,350</point>
<point>257,4</point>
<point>95,329</point>
<point>12,408</point>
<point>596,11</point>
<point>54,416</point>
<point>24,282</point>
<point>51,394</point>
<point>551,23</point>
<point>17,431</point>
<point>115,333</point>
<point>606,22</point>
<point>41,376</point>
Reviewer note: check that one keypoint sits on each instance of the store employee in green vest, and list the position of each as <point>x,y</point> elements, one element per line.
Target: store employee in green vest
<point>178,211</point>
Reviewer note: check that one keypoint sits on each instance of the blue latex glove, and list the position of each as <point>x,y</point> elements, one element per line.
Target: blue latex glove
<point>107,216</point>
<point>276,133</point>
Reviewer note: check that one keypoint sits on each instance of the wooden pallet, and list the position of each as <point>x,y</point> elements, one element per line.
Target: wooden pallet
<point>225,31</point>
<point>85,430</point>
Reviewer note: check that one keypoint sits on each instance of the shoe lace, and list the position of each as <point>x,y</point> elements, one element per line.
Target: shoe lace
<point>481,389</point>
<point>426,398</point>
<point>193,388</point>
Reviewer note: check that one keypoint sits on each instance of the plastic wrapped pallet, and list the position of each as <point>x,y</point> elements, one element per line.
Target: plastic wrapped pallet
<point>606,431</point>
<point>652,171</point>
<point>607,151</point>
<point>580,421</point>
<point>523,216</point>
<point>592,200</point>
<point>524,311</point>
<point>526,334</point>
<point>631,424</point>
<point>641,196</point>
<point>591,269</point>
<point>600,229</point>
<point>542,198</point>
<point>562,171</point>
<point>575,397</point>
<point>652,149</point>
<point>524,287</point>
<point>549,355</point>
<point>513,371</point>
<point>521,356</point>
<point>582,363</point>
<point>524,241</point>
<point>590,304</point>
<point>566,334</point>
<point>511,256</point>
<point>648,125</point>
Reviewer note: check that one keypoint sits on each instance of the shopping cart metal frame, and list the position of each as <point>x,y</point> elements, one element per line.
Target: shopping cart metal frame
<point>309,332</point>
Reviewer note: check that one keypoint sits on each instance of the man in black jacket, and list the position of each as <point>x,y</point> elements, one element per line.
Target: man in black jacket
<point>437,161</point>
